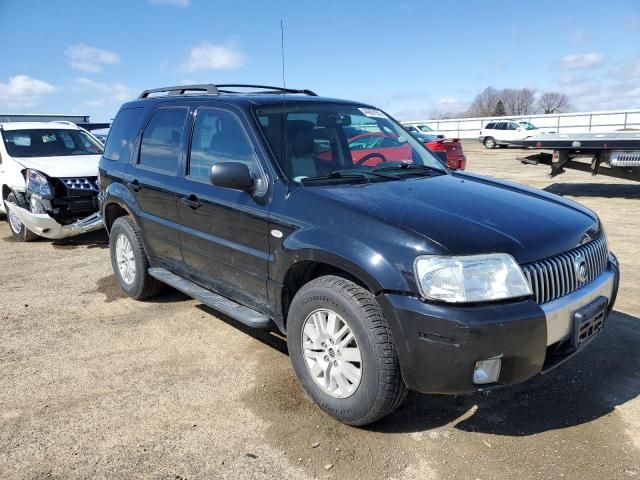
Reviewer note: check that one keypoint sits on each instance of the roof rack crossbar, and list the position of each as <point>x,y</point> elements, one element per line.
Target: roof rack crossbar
<point>182,89</point>
<point>212,89</point>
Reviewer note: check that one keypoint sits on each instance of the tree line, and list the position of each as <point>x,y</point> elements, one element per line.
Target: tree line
<point>509,102</point>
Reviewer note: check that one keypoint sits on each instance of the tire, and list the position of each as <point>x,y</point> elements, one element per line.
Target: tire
<point>19,231</point>
<point>380,389</point>
<point>136,282</point>
<point>490,143</point>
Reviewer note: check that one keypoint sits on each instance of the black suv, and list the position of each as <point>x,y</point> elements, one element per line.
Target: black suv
<point>327,220</point>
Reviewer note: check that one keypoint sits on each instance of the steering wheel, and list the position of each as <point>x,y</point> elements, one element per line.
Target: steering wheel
<point>368,157</point>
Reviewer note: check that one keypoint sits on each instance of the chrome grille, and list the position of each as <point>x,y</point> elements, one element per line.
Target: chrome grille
<point>557,276</point>
<point>79,183</point>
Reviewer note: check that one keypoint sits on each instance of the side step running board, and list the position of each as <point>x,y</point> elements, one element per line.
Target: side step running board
<point>236,311</point>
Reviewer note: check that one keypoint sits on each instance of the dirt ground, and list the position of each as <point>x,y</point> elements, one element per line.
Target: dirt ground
<point>95,385</point>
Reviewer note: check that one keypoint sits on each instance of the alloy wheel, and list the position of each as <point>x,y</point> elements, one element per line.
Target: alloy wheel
<point>125,259</point>
<point>331,353</point>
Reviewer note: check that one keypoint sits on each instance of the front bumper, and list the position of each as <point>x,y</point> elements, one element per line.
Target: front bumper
<point>43,225</point>
<point>438,344</point>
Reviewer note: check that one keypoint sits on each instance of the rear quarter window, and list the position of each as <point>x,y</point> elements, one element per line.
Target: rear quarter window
<point>122,134</point>
<point>490,125</point>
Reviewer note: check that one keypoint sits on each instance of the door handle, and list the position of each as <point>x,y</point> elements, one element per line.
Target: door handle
<point>191,201</point>
<point>134,185</point>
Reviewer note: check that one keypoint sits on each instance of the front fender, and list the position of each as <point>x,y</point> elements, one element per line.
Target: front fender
<point>377,270</point>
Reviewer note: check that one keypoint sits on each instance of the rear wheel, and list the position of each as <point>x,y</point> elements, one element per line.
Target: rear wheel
<point>19,231</point>
<point>490,142</point>
<point>342,351</point>
<point>129,260</point>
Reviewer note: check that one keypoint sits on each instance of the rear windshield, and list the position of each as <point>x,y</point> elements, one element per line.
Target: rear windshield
<point>316,140</point>
<point>49,143</point>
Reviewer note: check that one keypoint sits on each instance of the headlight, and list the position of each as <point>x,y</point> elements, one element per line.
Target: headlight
<point>473,278</point>
<point>38,184</point>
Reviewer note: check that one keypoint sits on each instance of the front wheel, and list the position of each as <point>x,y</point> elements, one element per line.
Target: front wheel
<point>343,352</point>
<point>18,229</point>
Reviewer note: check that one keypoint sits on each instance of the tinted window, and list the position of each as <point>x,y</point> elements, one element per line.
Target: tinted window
<point>501,126</point>
<point>512,126</point>
<point>122,134</point>
<point>218,136</point>
<point>160,146</point>
<point>490,125</point>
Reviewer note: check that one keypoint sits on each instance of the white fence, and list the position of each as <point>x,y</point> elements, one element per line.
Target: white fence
<point>579,122</point>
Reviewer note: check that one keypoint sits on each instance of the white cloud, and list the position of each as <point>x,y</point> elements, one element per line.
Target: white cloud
<point>174,3</point>
<point>23,91</point>
<point>104,93</point>
<point>628,68</point>
<point>90,59</point>
<point>207,56</point>
<point>582,60</point>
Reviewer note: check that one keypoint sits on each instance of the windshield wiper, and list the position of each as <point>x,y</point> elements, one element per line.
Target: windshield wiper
<point>411,166</point>
<point>336,175</point>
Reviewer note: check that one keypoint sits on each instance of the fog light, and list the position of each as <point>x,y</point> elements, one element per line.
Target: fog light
<point>486,371</point>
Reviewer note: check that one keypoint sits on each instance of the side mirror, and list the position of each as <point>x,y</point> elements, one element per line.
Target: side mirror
<point>233,175</point>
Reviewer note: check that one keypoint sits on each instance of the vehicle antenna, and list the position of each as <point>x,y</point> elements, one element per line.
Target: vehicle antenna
<point>284,92</point>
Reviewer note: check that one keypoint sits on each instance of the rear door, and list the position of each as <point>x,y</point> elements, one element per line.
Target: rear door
<point>152,180</point>
<point>224,234</point>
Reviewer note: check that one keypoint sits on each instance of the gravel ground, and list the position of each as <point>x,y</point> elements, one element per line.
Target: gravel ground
<point>95,385</point>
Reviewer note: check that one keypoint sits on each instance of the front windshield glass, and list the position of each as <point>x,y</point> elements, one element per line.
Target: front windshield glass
<point>318,140</point>
<point>49,143</point>
<point>528,126</point>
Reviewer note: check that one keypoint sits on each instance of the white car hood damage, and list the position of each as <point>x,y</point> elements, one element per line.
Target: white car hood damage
<point>64,166</point>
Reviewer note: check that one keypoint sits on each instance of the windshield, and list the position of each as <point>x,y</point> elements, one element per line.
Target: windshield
<point>528,126</point>
<point>322,139</point>
<point>49,143</point>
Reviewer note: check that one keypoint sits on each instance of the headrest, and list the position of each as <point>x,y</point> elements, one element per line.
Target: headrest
<point>303,144</point>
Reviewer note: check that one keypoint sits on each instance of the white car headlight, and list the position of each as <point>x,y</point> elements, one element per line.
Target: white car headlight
<point>38,184</point>
<point>473,278</point>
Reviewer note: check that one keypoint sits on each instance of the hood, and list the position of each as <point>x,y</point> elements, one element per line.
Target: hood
<point>469,214</point>
<point>65,166</point>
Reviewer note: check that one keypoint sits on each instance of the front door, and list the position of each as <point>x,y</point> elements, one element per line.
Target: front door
<point>224,235</point>
<point>152,180</point>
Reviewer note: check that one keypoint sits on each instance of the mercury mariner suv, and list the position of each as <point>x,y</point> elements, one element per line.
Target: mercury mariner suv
<point>385,274</point>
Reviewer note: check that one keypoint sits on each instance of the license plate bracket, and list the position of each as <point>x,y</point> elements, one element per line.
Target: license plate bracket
<point>588,321</point>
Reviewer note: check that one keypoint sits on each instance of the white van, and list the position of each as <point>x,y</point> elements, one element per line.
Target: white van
<point>48,173</point>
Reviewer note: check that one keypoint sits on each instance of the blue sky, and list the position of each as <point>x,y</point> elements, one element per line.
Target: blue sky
<point>408,57</point>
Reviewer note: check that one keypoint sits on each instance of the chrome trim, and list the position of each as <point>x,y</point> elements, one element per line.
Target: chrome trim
<point>555,277</point>
<point>559,312</point>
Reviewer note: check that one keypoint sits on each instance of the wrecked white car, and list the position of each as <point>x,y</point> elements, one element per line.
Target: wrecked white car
<point>48,174</point>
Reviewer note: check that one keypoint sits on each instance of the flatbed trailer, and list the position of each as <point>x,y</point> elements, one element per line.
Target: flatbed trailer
<point>617,150</point>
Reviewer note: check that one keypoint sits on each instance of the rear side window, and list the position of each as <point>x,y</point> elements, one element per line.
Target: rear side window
<point>501,126</point>
<point>160,146</point>
<point>490,125</point>
<point>122,134</point>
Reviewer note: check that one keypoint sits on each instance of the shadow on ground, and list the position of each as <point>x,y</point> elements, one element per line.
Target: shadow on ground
<point>606,190</point>
<point>587,387</point>
<point>97,239</point>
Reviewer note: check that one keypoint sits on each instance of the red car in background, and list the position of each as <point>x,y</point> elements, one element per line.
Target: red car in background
<point>368,143</point>
<point>451,146</point>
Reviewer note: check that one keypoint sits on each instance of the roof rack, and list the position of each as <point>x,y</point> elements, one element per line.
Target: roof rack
<point>212,89</point>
